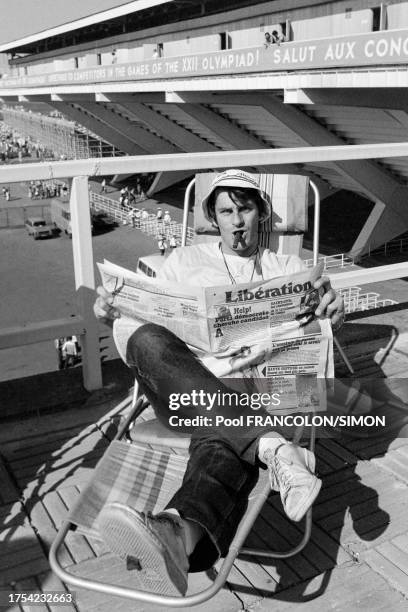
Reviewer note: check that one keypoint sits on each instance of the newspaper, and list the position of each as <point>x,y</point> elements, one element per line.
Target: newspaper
<point>142,299</point>
<point>264,330</point>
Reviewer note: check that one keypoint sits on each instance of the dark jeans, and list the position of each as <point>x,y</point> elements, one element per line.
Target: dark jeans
<point>223,466</point>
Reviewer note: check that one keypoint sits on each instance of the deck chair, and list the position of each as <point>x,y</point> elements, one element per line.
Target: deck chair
<point>148,461</point>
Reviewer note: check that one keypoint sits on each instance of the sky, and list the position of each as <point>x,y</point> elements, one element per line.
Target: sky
<point>20,18</point>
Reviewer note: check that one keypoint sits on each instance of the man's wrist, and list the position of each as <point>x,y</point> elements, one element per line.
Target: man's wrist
<point>339,323</point>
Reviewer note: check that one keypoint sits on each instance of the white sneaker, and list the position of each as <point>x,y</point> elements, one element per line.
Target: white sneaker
<point>154,545</point>
<point>291,470</point>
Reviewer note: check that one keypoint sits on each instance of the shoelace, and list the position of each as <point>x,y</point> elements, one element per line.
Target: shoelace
<point>279,473</point>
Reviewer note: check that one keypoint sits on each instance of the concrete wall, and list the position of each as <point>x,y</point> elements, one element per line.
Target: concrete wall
<point>64,63</point>
<point>192,44</point>
<point>354,22</point>
<point>39,67</point>
<point>397,16</point>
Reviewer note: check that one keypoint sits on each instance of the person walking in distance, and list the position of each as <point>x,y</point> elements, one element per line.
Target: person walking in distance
<point>161,243</point>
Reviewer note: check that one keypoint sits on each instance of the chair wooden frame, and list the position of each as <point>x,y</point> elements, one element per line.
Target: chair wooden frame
<point>256,500</point>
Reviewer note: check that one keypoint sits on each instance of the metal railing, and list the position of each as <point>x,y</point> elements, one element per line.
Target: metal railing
<point>392,247</point>
<point>340,260</point>
<point>150,225</point>
<point>366,301</point>
<point>84,323</point>
<point>354,300</point>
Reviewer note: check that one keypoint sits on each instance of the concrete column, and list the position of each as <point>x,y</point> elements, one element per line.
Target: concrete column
<point>362,242</point>
<point>85,281</point>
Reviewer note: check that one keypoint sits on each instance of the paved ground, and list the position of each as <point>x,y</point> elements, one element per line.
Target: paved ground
<point>39,278</point>
<point>39,281</point>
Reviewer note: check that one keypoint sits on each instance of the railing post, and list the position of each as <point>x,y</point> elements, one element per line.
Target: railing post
<point>85,280</point>
<point>186,211</point>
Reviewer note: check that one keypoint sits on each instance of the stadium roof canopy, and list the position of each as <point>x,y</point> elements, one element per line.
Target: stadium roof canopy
<point>27,21</point>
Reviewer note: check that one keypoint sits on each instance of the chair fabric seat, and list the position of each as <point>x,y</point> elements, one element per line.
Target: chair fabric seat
<point>154,432</point>
<point>131,473</point>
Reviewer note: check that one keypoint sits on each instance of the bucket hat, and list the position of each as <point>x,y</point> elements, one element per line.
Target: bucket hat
<point>243,180</point>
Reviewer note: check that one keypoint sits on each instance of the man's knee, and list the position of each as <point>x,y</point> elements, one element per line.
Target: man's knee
<point>148,342</point>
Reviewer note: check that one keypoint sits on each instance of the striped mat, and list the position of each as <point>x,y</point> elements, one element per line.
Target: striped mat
<point>133,474</point>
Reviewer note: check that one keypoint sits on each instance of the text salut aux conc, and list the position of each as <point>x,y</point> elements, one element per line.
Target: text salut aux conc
<point>285,55</point>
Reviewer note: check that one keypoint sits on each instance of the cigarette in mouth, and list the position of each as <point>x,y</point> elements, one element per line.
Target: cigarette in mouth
<point>238,237</point>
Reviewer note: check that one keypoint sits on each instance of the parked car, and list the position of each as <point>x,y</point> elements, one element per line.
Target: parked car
<point>101,221</point>
<point>149,265</point>
<point>37,227</point>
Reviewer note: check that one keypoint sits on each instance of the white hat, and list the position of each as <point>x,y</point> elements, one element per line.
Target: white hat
<point>237,178</point>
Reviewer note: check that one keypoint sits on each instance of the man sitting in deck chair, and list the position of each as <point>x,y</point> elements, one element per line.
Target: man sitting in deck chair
<point>200,521</point>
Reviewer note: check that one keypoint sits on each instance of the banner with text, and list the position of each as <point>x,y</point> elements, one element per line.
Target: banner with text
<point>375,48</point>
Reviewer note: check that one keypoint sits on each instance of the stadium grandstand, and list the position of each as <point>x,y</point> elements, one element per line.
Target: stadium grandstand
<point>184,76</point>
<point>64,139</point>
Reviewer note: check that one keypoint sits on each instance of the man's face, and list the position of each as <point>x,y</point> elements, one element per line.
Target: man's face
<point>232,217</point>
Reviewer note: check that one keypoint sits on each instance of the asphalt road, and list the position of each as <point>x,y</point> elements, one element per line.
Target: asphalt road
<point>37,280</point>
<point>37,277</point>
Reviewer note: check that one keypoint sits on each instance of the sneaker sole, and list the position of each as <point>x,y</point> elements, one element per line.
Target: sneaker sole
<point>126,534</point>
<point>308,501</point>
<point>310,460</point>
